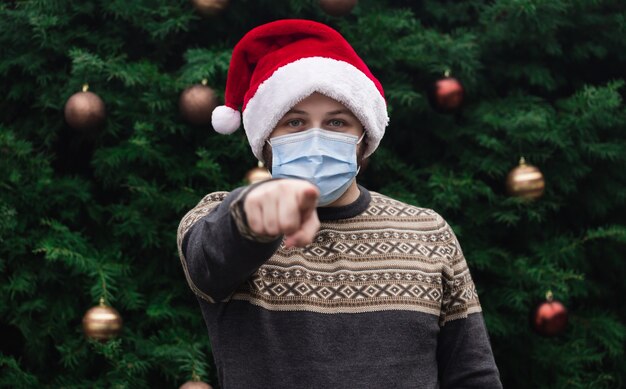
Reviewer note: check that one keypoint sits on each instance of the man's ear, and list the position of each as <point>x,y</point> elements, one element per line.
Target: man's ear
<point>361,149</point>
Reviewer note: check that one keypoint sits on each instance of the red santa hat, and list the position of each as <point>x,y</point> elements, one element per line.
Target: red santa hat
<point>278,64</point>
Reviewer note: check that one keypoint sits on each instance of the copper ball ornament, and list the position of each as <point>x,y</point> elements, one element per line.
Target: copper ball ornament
<point>257,174</point>
<point>84,110</point>
<point>549,318</point>
<point>102,322</point>
<point>525,181</point>
<point>446,94</point>
<point>195,385</point>
<point>338,7</point>
<point>209,7</point>
<point>197,102</point>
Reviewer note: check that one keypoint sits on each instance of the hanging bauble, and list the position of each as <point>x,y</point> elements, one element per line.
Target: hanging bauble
<point>195,385</point>
<point>197,102</point>
<point>257,174</point>
<point>338,7</point>
<point>550,317</point>
<point>84,110</point>
<point>446,94</point>
<point>209,7</point>
<point>102,322</point>
<point>525,181</point>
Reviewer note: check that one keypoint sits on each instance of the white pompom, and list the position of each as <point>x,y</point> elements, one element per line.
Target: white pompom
<point>225,120</point>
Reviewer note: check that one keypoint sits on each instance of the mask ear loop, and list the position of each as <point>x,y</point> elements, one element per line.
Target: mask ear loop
<point>359,141</point>
<point>361,138</point>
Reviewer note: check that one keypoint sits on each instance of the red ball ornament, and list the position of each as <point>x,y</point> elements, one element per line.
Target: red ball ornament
<point>446,95</point>
<point>84,110</point>
<point>550,317</point>
<point>338,7</point>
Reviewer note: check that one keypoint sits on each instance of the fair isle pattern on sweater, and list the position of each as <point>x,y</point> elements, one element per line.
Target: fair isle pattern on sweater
<point>393,256</point>
<point>204,206</point>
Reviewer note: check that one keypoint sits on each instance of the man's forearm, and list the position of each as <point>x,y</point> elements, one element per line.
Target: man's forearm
<point>218,250</point>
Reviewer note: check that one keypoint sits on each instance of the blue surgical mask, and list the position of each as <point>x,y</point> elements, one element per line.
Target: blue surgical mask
<point>324,158</point>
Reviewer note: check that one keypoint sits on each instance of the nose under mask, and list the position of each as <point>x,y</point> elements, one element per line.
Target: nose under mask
<point>325,158</point>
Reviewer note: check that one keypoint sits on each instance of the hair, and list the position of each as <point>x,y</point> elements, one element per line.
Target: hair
<point>267,157</point>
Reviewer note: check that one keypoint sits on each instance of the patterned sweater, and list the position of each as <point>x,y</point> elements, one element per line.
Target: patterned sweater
<point>382,298</point>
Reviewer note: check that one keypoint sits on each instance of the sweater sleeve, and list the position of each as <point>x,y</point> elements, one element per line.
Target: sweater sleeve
<point>464,355</point>
<point>216,247</point>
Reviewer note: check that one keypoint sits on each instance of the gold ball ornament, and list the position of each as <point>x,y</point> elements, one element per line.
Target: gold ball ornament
<point>257,174</point>
<point>525,181</point>
<point>195,385</point>
<point>338,7</point>
<point>84,110</point>
<point>197,103</point>
<point>102,322</point>
<point>209,7</point>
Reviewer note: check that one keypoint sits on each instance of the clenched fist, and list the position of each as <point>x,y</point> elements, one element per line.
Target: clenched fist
<point>285,206</point>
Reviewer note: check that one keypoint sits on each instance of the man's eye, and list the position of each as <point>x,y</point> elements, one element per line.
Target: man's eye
<point>296,121</point>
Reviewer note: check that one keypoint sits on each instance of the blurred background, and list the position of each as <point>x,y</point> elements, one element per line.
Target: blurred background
<point>106,142</point>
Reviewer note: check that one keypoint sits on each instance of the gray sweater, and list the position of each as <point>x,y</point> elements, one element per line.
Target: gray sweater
<point>382,298</point>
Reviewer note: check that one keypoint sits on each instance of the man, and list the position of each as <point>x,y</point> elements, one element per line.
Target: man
<point>310,280</point>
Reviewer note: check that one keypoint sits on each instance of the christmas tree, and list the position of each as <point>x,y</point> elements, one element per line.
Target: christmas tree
<point>91,212</point>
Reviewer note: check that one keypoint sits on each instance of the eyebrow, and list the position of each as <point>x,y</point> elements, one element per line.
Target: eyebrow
<point>346,111</point>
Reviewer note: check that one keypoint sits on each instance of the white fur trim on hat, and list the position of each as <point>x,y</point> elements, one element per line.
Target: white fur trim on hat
<point>225,120</point>
<point>291,83</point>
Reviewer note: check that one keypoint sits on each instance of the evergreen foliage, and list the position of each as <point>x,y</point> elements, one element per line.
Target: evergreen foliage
<point>90,214</point>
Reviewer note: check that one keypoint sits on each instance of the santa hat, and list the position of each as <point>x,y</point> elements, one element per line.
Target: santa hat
<point>278,64</point>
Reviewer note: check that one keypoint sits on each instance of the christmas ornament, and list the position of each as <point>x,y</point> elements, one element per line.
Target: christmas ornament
<point>84,110</point>
<point>209,7</point>
<point>446,94</point>
<point>338,7</point>
<point>525,181</point>
<point>195,385</point>
<point>549,318</point>
<point>257,174</point>
<point>197,102</point>
<point>102,322</point>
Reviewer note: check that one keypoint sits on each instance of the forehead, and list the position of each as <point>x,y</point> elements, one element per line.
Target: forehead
<point>319,103</point>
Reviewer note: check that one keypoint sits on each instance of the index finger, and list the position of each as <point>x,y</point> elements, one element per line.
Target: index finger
<point>308,198</point>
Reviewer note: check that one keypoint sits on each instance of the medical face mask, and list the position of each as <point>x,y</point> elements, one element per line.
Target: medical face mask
<point>324,158</point>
